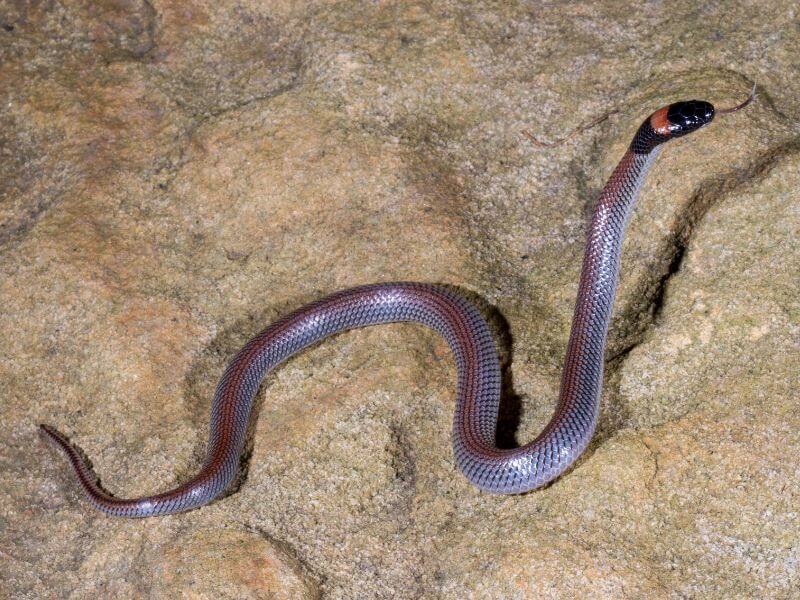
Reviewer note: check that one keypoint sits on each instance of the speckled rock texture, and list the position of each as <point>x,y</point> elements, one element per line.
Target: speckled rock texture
<point>176,175</point>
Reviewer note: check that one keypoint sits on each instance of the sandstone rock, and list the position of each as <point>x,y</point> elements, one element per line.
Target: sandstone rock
<point>176,175</point>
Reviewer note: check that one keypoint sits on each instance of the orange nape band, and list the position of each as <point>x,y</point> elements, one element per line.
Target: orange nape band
<point>659,121</point>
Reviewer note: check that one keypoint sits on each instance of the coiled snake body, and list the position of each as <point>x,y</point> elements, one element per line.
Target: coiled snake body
<point>490,468</point>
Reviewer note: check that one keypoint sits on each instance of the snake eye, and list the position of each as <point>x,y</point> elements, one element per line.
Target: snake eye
<point>685,117</point>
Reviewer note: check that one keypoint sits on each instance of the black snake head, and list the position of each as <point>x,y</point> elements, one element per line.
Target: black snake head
<point>686,117</point>
<point>669,122</point>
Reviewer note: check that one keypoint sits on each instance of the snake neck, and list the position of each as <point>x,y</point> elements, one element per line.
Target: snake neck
<point>583,370</point>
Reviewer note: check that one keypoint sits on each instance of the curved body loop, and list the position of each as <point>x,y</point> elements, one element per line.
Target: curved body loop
<point>490,468</point>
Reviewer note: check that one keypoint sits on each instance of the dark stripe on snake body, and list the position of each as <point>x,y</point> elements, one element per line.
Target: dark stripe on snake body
<point>479,379</point>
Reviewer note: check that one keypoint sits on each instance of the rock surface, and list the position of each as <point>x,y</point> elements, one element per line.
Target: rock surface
<point>176,175</point>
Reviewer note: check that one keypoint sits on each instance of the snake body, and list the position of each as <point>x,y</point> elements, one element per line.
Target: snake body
<point>493,469</point>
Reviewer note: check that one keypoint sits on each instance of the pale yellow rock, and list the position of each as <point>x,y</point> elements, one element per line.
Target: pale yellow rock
<point>176,175</point>
<point>232,564</point>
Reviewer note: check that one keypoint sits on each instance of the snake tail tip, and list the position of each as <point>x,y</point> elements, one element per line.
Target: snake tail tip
<point>50,433</point>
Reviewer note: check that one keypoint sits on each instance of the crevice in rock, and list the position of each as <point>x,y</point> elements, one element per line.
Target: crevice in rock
<point>402,457</point>
<point>302,569</point>
<point>171,167</point>
<point>654,455</point>
<point>641,316</point>
<point>220,111</point>
<point>287,72</point>
<point>674,265</point>
<point>648,309</point>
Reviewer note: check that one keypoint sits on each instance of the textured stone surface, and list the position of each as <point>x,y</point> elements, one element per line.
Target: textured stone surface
<point>175,175</point>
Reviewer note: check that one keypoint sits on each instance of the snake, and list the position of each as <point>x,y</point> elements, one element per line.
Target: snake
<point>470,338</point>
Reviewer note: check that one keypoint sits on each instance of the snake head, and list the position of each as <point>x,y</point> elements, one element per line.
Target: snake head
<point>686,117</point>
<point>670,122</point>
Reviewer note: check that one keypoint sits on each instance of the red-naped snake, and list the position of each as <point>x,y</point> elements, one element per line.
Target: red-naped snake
<point>504,471</point>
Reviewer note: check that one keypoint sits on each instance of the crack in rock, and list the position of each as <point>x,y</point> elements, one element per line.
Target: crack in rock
<point>713,190</point>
